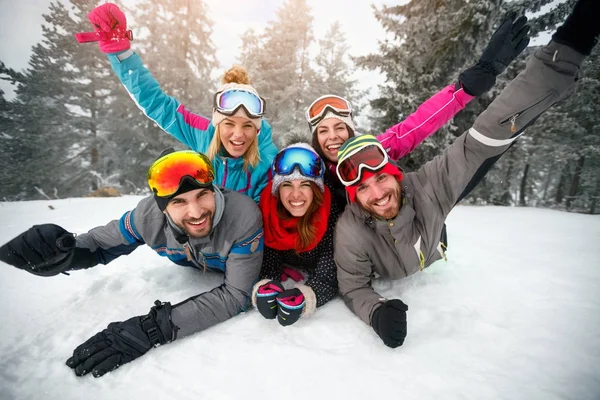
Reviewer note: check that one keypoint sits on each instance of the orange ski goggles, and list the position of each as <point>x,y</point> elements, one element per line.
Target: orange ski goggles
<point>166,173</point>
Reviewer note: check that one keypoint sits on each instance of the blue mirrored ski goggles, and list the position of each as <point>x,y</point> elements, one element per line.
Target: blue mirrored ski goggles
<point>229,101</point>
<point>308,162</point>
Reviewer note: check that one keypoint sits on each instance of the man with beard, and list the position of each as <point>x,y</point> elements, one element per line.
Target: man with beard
<point>391,226</point>
<point>188,220</point>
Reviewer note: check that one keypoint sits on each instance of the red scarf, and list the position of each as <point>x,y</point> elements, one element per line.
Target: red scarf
<point>282,234</point>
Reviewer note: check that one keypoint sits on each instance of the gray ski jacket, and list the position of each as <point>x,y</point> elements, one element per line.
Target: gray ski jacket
<point>366,247</point>
<point>233,247</point>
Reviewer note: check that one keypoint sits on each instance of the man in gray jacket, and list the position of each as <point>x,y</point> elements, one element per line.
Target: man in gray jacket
<point>392,224</point>
<point>189,220</point>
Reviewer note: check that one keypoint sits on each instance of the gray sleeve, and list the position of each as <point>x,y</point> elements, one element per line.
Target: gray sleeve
<point>354,273</point>
<point>233,296</point>
<point>549,77</point>
<point>122,236</point>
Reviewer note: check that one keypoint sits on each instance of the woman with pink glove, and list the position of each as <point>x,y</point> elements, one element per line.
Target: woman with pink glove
<point>236,139</point>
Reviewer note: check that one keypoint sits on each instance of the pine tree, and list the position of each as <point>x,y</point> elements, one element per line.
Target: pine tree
<point>334,68</point>
<point>454,32</point>
<point>278,62</point>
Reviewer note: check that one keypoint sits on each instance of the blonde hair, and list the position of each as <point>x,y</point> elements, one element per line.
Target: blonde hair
<point>236,74</point>
<point>251,156</point>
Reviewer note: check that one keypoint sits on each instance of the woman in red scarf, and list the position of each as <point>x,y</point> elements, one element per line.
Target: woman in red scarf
<point>299,217</point>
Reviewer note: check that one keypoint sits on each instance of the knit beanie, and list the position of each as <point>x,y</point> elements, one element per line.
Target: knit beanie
<point>296,174</point>
<point>236,78</point>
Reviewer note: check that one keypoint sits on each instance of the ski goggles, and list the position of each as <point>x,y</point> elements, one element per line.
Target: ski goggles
<point>166,173</point>
<point>317,110</point>
<point>371,157</point>
<point>309,163</point>
<point>229,101</point>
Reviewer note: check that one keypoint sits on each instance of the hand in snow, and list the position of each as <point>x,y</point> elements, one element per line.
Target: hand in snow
<point>122,342</point>
<point>266,302</point>
<point>389,322</point>
<point>290,305</point>
<point>43,250</point>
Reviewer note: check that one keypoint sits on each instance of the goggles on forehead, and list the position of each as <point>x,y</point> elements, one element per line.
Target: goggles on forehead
<point>308,162</point>
<point>229,101</point>
<point>371,157</point>
<point>317,110</point>
<point>166,173</point>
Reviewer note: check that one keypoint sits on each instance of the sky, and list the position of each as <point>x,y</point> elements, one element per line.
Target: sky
<point>21,28</point>
<point>512,314</point>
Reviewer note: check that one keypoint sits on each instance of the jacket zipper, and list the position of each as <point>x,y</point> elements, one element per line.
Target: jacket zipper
<point>513,118</point>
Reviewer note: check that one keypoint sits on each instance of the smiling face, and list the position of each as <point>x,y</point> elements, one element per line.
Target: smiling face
<point>331,134</point>
<point>193,211</point>
<point>379,195</point>
<point>237,134</point>
<point>296,196</point>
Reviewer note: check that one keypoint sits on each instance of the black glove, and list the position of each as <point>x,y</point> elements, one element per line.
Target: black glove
<point>43,250</point>
<point>122,342</point>
<point>266,299</point>
<point>290,305</point>
<point>509,40</point>
<point>389,322</point>
<point>581,29</point>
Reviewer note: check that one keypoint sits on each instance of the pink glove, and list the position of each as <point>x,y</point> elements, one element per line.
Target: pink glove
<point>291,273</point>
<point>110,29</point>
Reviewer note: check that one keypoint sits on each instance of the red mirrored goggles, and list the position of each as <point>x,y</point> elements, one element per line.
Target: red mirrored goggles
<point>166,173</point>
<point>317,110</point>
<point>371,157</point>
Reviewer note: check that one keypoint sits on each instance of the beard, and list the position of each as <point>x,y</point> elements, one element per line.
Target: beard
<point>202,230</point>
<point>392,208</point>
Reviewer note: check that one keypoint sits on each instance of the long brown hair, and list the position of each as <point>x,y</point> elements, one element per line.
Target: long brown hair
<point>307,231</point>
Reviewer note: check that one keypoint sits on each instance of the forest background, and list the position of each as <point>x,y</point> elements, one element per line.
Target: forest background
<point>70,128</point>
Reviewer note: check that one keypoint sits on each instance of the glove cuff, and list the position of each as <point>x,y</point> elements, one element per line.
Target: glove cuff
<point>257,285</point>
<point>478,79</point>
<point>157,324</point>
<point>310,299</point>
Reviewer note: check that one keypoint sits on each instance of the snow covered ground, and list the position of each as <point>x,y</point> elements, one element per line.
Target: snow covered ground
<point>513,314</point>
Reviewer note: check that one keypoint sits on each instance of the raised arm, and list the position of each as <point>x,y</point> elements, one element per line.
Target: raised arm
<point>549,76</point>
<point>111,32</point>
<point>505,45</point>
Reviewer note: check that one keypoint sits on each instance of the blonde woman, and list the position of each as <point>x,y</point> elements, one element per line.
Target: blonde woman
<point>237,139</point>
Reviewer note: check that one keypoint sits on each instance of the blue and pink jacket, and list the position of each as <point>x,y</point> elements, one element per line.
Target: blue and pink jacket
<point>193,130</point>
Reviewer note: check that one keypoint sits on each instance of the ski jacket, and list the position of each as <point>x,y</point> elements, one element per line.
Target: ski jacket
<point>234,247</point>
<point>321,285</point>
<point>402,138</point>
<point>366,247</point>
<point>193,130</point>
<point>435,112</point>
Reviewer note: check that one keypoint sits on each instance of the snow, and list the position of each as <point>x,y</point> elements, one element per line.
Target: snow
<point>513,314</point>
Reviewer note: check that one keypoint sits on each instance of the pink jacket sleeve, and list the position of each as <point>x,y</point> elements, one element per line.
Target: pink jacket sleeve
<point>402,138</point>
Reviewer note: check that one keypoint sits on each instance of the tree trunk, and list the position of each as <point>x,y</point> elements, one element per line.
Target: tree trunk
<point>547,184</point>
<point>595,197</point>
<point>560,188</point>
<point>574,189</point>
<point>522,194</point>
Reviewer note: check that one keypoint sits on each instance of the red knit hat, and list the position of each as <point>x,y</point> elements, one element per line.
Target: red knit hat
<point>389,168</point>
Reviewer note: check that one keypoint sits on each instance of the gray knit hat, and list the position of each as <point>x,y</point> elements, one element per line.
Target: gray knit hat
<point>296,174</point>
